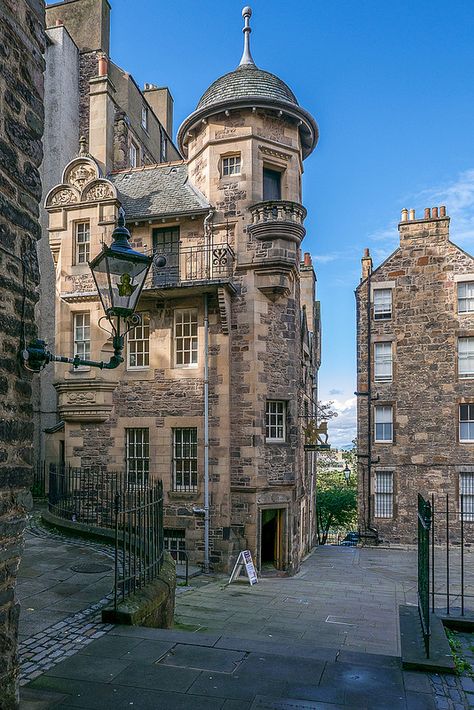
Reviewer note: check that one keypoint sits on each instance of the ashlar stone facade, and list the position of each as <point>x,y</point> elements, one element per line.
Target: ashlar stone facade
<point>415,331</point>
<point>235,300</point>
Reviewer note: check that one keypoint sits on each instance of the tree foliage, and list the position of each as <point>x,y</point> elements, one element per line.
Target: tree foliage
<point>336,504</point>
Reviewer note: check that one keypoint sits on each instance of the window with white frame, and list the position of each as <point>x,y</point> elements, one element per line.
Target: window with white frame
<point>137,455</point>
<point>185,463</point>
<point>231,165</point>
<point>83,242</point>
<point>186,337</point>
<point>382,303</point>
<point>384,423</point>
<point>175,543</point>
<point>466,490</point>
<point>133,154</point>
<point>138,340</point>
<point>82,335</point>
<point>383,362</point>
<point>466,357</point>
<point>275,420</point>
<point>465,297</point>
<point>466,422</point>
<point>384,494</point>
<point>145,118</point>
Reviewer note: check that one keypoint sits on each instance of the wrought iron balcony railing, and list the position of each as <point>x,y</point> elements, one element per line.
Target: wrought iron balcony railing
<point>186,265</point>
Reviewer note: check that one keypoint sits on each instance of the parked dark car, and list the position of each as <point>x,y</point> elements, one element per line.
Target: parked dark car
<point>351,539</point>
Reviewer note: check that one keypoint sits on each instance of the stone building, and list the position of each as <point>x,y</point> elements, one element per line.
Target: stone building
<point>21,101</point>
<point>220,378</point>
<point>88,95</point>
<point>415,369</point>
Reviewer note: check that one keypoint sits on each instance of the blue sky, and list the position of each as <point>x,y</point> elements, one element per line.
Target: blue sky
<point>390,85</point>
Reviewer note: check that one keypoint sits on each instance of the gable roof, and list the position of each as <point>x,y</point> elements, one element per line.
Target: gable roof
<point>157,191</point>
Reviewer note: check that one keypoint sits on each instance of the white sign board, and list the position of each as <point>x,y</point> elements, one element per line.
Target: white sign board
<point>244,560</point>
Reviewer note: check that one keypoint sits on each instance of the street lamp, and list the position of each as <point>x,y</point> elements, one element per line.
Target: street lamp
<point>119,273</point>
<point>347,473</point>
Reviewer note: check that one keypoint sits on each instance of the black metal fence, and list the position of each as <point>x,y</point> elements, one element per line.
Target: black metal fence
<point>449,589</point>
<point>39,487</point>
<point>424,525</point>
<point>133,509</point>
<point>138,523</point>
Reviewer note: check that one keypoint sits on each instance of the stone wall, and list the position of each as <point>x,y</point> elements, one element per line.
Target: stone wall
<point>425,391</point>
<point>21,103</point>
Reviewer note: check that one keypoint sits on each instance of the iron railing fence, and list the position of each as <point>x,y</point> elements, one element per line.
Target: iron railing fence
<point>130,506</point>
<point>424,525</point>
<point>188,264</point>
<point>139,547</point>
<point>39,486</point>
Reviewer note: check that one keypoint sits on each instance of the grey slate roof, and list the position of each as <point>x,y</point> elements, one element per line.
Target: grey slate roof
<point>156,191</point>
<point>245,81</point>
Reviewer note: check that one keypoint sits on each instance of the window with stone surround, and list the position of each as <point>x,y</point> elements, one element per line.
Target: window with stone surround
<point>133,152</point>
<point>145,118</point>
<point>82,336</point>
<point>231,165</point>
<point>383,423</point>
<point>271,184</point>
<point>138,345</point>
<point>186,337</point>
<point>383,362</point>
<point>82,241</point>
<point>175,543</point>
<point>382,299</point>
<point>466,422</point>
<point>275,420</point>
<point>383,494</point>
<point>185,462</point>
<point>466,357</point>
<point>465,296</point>
<point>137,455</point>
<point>466,490</point>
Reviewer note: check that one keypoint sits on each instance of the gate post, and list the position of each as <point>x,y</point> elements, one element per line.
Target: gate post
<point>424,525</point>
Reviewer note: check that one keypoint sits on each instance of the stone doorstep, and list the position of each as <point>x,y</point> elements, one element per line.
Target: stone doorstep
<point>412,646</point>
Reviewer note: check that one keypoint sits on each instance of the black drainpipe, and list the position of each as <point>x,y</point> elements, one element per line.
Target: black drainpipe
<point>369,409</point>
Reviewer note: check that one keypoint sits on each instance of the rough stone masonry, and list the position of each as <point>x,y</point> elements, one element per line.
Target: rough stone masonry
<point>21,129</point>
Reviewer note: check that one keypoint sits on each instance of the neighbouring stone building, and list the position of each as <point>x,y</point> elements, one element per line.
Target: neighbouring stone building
<point>221,376</point>
<point>21,106</point>
<point>415,369</point>
<point>88,95</point>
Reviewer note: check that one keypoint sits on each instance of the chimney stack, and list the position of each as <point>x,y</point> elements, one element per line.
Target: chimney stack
<point>366,264</point>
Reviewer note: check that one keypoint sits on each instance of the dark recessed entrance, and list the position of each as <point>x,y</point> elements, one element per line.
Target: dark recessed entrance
<point>271,549</point>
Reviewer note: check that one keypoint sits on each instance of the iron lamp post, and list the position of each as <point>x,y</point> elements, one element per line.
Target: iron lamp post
<point>119,273</point>
<point>347,473</point>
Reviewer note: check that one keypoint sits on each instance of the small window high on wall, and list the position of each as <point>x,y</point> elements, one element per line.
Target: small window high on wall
<point>271,184</point>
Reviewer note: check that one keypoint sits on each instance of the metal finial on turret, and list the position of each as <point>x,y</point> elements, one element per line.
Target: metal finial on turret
<point>246,56</point>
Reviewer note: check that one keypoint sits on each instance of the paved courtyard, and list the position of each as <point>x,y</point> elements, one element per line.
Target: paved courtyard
<point>327,638</point>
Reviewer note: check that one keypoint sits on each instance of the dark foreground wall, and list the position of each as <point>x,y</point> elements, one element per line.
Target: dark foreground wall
<point>21,129</point>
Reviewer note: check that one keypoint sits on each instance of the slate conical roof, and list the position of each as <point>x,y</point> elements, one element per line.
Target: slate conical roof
<point>249,86</point>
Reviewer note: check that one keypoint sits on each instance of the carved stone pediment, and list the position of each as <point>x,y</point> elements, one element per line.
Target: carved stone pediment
<point>61,196</point>
<point>98,190</point>
<point>81,171</point>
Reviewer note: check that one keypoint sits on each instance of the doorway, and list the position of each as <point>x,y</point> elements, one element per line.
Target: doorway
<point>272,536</point>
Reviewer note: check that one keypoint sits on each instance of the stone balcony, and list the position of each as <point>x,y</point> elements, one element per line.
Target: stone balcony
<point>277,219</point>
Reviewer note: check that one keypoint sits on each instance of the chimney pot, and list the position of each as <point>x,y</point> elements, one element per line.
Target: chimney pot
<point>427,213</point>
<point>442,211</point>
<point>366,253</point>
<point>103,65</point>
<point>59,22</point>
<point>404,214</point>
<point>412,214</point>
<point>307,259</point>
<point>434,213</point>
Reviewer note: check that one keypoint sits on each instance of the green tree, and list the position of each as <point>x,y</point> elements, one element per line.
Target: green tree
<point>336,502</point>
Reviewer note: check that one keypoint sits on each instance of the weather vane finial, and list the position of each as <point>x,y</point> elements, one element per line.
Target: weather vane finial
<point>246,56</point>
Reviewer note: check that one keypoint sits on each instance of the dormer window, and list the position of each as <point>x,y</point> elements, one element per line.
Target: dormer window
<point>133,154</point>
<point>231,165</point>
<point>145,118</point>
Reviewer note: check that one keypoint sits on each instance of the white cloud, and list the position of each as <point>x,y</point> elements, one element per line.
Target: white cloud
<point>342,429</point>
<point>458,196</point>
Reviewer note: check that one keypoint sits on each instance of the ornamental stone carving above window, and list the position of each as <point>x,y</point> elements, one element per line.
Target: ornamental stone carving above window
<point>98,191</point>
<point>63,197</point>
